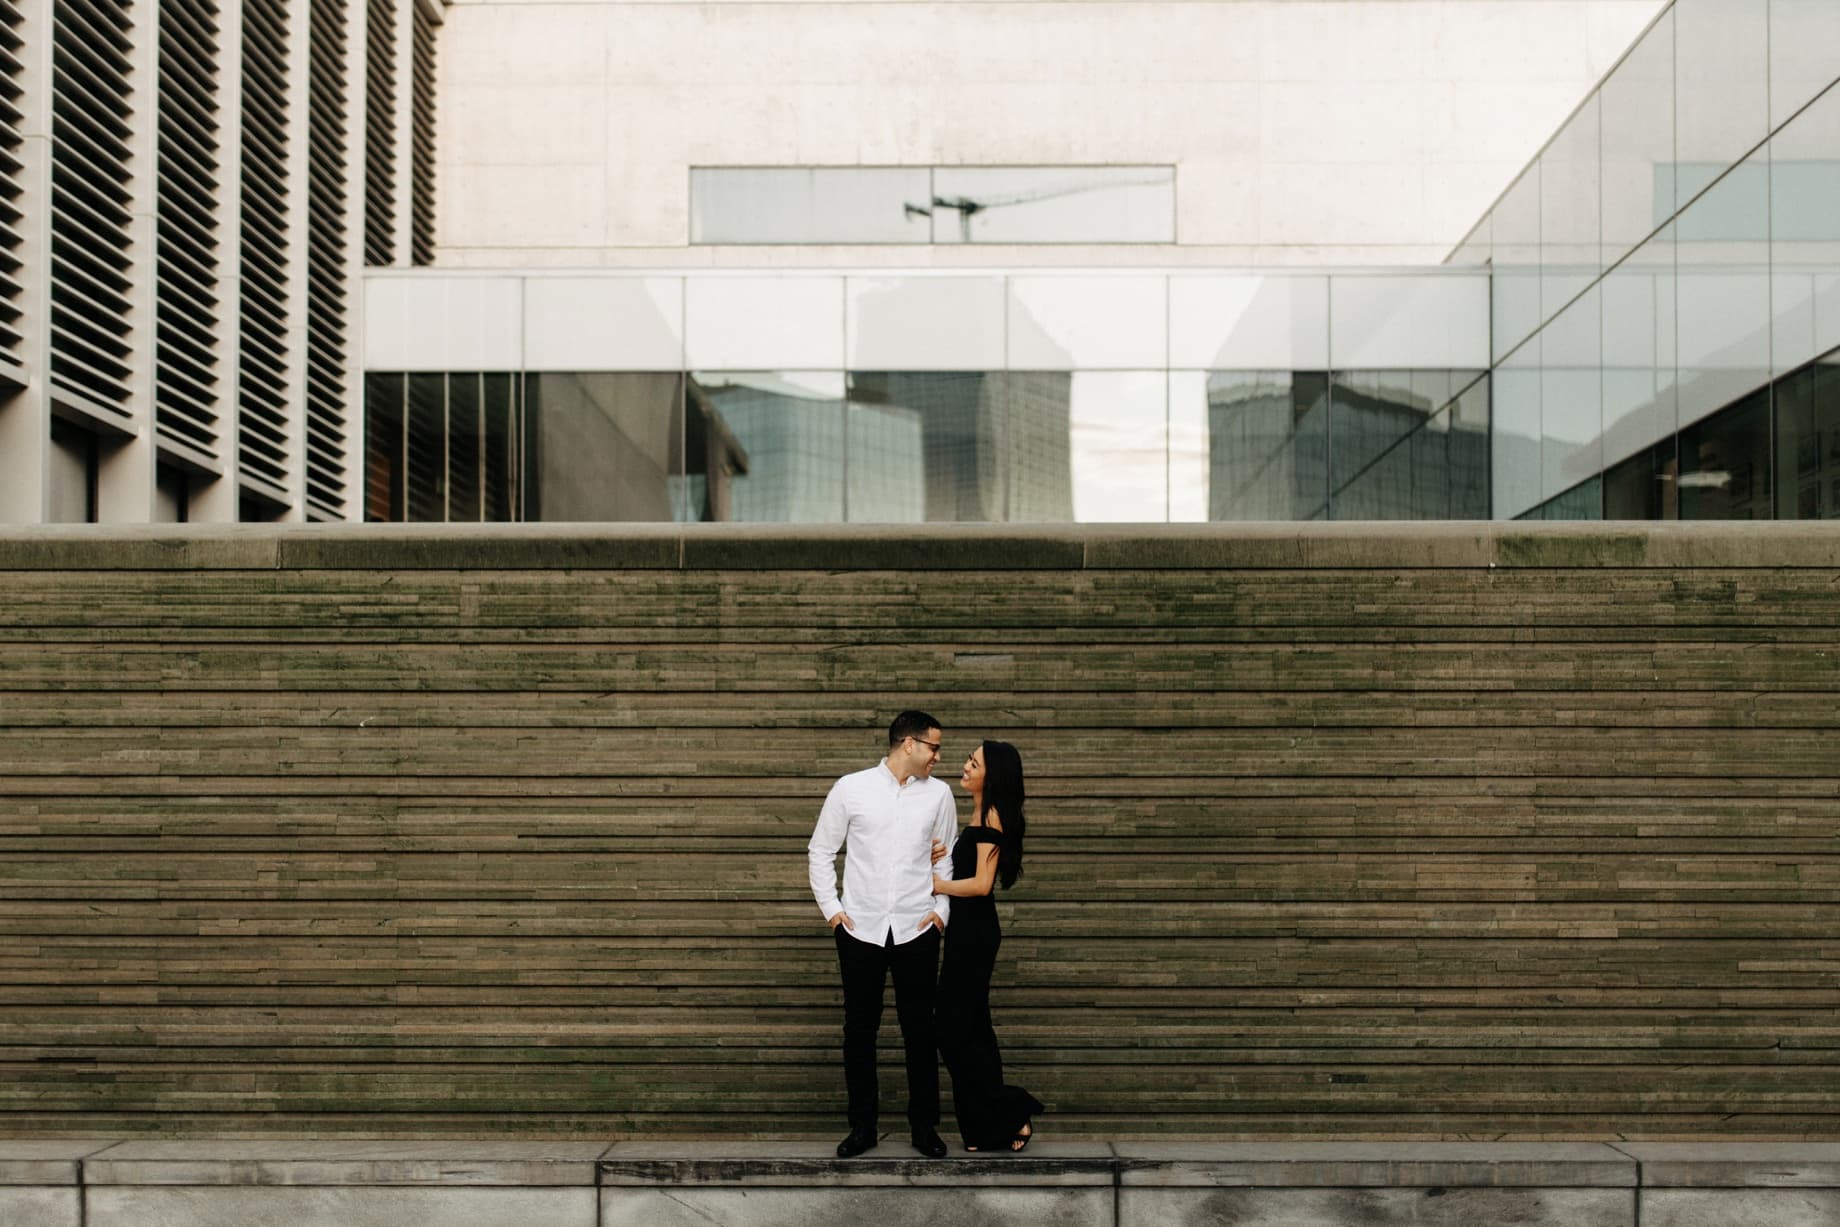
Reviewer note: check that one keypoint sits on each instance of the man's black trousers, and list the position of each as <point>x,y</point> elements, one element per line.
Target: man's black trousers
<point>866,971</point>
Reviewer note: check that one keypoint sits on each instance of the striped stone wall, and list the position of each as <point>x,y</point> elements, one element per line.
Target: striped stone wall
<point>1441,831</point>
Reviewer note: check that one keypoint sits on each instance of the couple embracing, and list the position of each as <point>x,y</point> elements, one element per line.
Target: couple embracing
<point>899,908</point>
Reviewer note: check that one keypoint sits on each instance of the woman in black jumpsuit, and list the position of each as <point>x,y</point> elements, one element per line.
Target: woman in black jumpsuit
<point>991,1115</point>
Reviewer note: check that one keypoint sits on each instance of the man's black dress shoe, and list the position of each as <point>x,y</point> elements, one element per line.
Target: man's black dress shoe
<point>927,1142</point>
<point>859,1141</point>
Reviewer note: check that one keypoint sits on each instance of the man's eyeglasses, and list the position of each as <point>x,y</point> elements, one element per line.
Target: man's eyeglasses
<point>931,747</point>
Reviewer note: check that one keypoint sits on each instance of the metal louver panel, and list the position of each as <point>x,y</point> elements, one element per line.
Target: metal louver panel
<point>12,170</point>
<point>421,181</point>
<point>186,301</point>
<point>262,327</point>
<point>91,198</point>
<point>379,131</point>
<point>328,278</point>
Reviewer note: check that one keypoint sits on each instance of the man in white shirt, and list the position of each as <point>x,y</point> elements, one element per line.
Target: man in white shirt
<point>888,920</point>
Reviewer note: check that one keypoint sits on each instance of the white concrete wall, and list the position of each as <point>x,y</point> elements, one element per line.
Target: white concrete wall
<point>1303,131</point>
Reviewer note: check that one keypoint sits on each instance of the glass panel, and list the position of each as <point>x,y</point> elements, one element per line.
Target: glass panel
<point>1638,141</point>
<point>1059,323</point>
<point>1721,88</point>
<point>425,485</point>
<point>1450,457</point>
<point>1039,428</point>
<point>925,323</point>
<point>1805,234</point>
<point>1118,446</point>
<point>1803,35</point>
<point>764,323</point>
<point>1570,201</point>
<point>1582,502</point>
<point>1638,350</point>
<point>465,449</point>
<point>1644,487</point>
<point>925,446</point>
<point>1571,397</point>
<point>1101,204</point>
<point>482,322</point>
<point>603,323</point>
<point>1516,245</point>
<point>1249,322</point>
<point>1722,291</point>
<point>1266,439</point>
<point>1808,442</point>
<point>1725,463</point>
<point>772,447</point>
<point>383,446</point>
<point>1373,416</point>
<point>502,483</point>
<point>1402,322</point>
<point>1188,447</point>
<point>602,446</point>
<point>1515,460</point>
<point>809,205</point>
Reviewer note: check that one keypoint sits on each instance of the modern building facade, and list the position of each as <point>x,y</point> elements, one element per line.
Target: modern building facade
<point>189,191</point>
<point>845,260</point>
<point>1666,280</point>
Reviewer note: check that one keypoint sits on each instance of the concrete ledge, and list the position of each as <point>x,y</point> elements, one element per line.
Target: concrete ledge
<point>48,1161</point>
<point>815,1165</point>
<point>1736,1165</point>
<point>242,1206</point>
<point>482,1183</point>
<point>918,548</point>
<point>271,1163</point>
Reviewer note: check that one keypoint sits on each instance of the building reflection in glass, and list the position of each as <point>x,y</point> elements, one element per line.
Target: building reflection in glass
<point>1267,445</point>
<point>927,446</point>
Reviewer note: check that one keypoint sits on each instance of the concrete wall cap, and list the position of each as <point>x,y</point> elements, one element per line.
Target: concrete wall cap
<point>996,547</point>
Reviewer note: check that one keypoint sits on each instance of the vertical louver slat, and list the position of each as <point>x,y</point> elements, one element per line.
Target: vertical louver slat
<point>91,197</point>
<point>379,131</point>
<point>186,301</point>
<point>262,353</point>
<point>421,185</point>
<point>12,186</point>
<point>328,276</point>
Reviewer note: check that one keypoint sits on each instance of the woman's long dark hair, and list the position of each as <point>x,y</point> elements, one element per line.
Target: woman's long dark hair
<point>1003,793</point>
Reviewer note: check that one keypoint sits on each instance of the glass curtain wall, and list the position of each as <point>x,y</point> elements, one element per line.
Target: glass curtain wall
<point>1021,398</point>
<point>1666,277</point>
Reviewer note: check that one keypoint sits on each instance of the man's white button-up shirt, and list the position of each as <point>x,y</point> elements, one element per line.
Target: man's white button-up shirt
<point>886,830</point>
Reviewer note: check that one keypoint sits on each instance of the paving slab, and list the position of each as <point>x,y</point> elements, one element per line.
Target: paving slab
<point>229,1162</point>
<point>40,1207</point>
<point>142,1206</point>
<point>857,1207</point>
<point>1740,1207</point>
<point>47,1161</point>
<point>1736,1165</point>
<point>815,1165</point>
<point>1405,1207</point>
<point>1375,1165</point>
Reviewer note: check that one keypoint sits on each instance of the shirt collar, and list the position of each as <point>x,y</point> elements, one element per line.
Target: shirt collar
<point>889,772</point>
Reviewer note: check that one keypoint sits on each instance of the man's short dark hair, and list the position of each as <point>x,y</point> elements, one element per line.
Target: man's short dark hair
<point>910,724</point>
